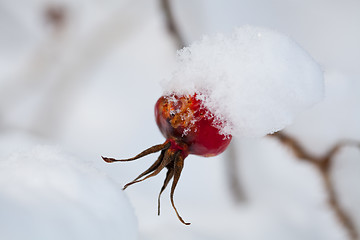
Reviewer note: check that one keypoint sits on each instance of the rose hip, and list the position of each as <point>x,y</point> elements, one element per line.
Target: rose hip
<point>189,128</point>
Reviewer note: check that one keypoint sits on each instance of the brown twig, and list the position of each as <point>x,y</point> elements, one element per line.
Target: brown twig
<point>323,164</point>
<point>172,27</point>
<point>232,174</point>
<point>56,15</point>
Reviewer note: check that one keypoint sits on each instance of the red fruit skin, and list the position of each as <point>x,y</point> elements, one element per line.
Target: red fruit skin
<point>182,120</point>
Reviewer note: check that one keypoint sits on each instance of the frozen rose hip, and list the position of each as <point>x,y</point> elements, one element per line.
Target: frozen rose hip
<point>185,120</point>
<point>189,128</point>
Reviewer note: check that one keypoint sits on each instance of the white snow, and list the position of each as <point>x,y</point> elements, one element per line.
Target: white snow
<point>47,195</point>
<point>254,81</point>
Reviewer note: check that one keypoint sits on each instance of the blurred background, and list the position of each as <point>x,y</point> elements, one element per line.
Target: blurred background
<point>85,75</point>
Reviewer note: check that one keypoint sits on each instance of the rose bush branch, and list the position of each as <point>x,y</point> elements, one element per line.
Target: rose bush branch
<point>324,166</point>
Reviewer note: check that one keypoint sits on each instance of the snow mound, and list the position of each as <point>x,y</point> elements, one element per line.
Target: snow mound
<point>254,81</point>
<point>46,195</point>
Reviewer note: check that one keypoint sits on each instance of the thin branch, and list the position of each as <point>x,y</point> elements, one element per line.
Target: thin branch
<point>172,27</point>
<point>232,173</point>
<point>56,15</point>
<point>324,165</point>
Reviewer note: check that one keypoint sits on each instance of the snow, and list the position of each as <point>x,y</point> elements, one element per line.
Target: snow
<point>254,81</point>
<point>49,195</point>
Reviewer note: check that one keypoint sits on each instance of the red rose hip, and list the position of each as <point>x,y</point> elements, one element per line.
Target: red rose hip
<point>189,128</point>
<point>185,120</point>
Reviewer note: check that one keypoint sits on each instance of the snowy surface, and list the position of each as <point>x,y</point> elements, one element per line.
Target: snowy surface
<point>49,195</point>
<point>254,81</point>
<point>91,89</point>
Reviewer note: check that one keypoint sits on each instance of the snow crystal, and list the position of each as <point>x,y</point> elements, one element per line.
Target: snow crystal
<point>46,195</point>
<point>254,81</point>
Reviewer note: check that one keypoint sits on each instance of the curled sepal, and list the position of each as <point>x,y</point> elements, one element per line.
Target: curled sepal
<point>171,157</point>
<point>148,151</point>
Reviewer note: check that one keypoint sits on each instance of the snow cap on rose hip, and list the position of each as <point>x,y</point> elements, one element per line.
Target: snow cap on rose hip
<point>255,80</point>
